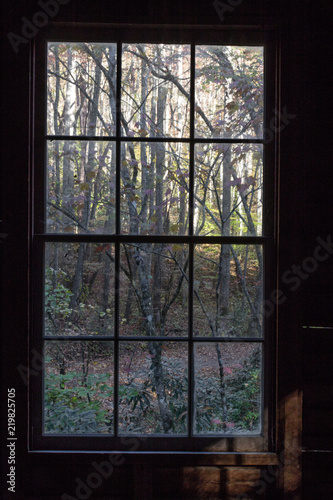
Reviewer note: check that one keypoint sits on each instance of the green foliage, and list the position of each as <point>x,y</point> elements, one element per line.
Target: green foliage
<point>242,389</point>
<point>73,405</point>
<point>245,386</point>
<point>139,404</point>
<point>208,414</point>
<point>245,407</point>
<point>136,394</point>
<point>57,297</point>
<point>61,419</point>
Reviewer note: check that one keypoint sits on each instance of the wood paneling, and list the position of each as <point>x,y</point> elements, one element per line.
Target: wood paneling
<point>317,389</point>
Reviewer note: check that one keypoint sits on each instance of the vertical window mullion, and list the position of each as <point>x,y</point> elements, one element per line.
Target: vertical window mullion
<point>117,243</point>
<point>191,381</point>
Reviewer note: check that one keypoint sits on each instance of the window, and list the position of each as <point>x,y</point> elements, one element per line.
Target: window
<point>154,230</point>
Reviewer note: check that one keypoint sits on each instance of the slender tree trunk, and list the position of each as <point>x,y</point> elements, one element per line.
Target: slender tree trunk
<point>69,123</point>
<point>160,159</point>
<point>90,172</point>
<point>77,282</point>
<point>155,348</point>
<point>222,385</point>
<point>223,284</point>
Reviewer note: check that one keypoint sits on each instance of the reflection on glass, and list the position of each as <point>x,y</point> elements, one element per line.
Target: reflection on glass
<point>227,388</point>
<point>154,188</point>
<point>79,289</point>
<point>78,387</point>
<point>154,289</point>
<point>153,388</point>
<point>155,90</point>
<point>229,91</point>
<point>228,291</point>
<point>228,189</point>
<point>81,88</point>
<point>81,187</point>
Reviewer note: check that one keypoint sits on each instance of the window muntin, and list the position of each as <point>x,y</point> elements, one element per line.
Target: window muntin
<point>185,235</point>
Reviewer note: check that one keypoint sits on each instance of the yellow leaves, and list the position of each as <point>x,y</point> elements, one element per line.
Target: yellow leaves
<point>90,175</point>
<point>84,186</point>
<point>142,132</point>
<point>176,247</point>
<point>174,228</point>
<point>135,198</point>
<point>232,107</point>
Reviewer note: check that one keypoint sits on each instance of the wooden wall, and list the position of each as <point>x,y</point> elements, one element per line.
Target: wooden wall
<point>304,355</point>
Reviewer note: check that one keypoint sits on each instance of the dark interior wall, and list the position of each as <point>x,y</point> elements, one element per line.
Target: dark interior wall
<point>306,213</point>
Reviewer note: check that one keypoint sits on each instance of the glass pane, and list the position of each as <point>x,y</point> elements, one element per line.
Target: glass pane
<point>79,289</point>
<point>228,189</point>
<point>81,187</point>
<point>155,90</point>
<point>78,387</point>
<point>228,290</point>
<point>81,88</point>
<point>154,188</point>
<point>153,388</point>
<point>227,388</point>
<point>229,91</point>
<point>154,289</point>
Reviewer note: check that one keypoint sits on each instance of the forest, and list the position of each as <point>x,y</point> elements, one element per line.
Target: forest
<point>158,331</point>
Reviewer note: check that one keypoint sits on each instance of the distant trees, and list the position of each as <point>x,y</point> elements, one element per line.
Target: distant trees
<point>155,188</point>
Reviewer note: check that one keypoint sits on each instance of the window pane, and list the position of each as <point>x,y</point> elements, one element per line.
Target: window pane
<point>154,188</point>
<point>81,187</point>
<point>229,91</point>
<point>155,90</point>
<point>78,382</point>
<point>81,88</point>
<point>154,289</point>
<point>153,293</point>
<point>153,388</point>
<point>228,290</point>
<point>79,289</point>
<point>228,189</point>
<point>227,388</point>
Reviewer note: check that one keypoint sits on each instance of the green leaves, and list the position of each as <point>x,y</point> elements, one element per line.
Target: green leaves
<point>72,405</point>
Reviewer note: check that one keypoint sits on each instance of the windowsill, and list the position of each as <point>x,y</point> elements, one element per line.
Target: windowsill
<point>166,458</point>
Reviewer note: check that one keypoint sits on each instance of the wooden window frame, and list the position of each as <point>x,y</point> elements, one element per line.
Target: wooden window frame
<point>211,449</point>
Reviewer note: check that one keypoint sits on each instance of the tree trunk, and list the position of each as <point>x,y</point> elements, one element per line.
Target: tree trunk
<point>222,386</point>
<point>77,282</point>
<point>160,159</point>
<point>155,348</point>
<point>223,283</point>
<point>68,126</point>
